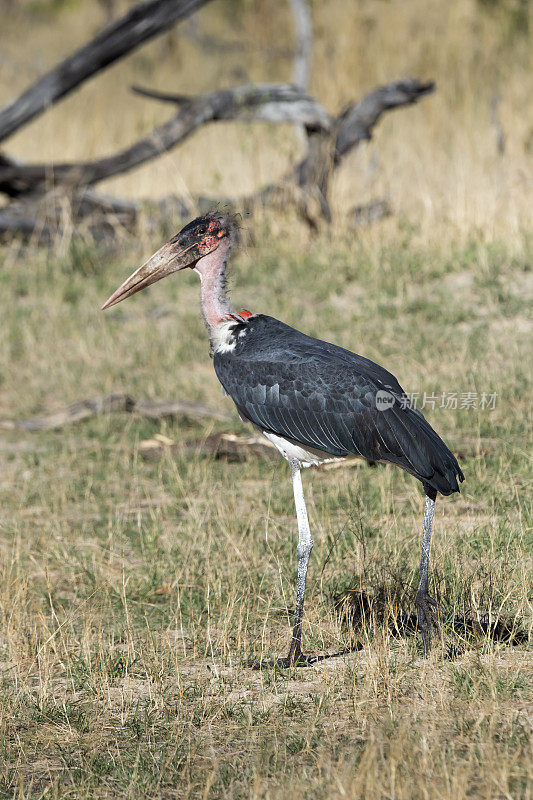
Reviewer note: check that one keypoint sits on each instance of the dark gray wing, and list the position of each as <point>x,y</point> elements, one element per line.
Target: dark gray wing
<point>324,397</point>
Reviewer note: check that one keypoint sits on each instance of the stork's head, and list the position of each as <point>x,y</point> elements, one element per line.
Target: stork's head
<point>200,238</point>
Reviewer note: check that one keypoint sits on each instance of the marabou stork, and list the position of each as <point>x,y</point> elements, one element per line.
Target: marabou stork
<point>312,399</point>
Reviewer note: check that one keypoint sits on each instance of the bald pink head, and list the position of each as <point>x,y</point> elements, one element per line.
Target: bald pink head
<point>202,245</point>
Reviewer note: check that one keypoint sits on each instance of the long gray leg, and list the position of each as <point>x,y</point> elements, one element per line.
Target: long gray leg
<point>424,603</point>
<point>305,545</point>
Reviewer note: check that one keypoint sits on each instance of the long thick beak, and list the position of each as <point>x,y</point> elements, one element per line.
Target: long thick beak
<point>167,260</point>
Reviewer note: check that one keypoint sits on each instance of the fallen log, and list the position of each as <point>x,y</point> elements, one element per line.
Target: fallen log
<point>42,217</point>
<point>230,446</point>
<point>179,408</point>
<point>113,404</point>
<point>227,445</point>
<point>70,206</point>
<point>305,188</point>
<point>24,225</point>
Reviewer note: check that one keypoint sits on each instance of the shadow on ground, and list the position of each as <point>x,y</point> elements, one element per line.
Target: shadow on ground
<point>390,606</point>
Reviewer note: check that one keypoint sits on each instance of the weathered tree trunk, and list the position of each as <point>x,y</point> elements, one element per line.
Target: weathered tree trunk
<point>303,28</point>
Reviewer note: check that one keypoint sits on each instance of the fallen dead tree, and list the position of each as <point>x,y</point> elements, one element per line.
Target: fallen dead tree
<point>114,404</point>
<point>230,446</point>
<point>227,445</point>
<point>43,195</point>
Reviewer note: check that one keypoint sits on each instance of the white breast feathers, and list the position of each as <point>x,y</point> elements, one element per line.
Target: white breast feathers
<point>223,336</point>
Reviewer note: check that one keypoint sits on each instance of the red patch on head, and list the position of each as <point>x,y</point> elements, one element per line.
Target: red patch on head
<point>245,314</point>
<point>207,244</point>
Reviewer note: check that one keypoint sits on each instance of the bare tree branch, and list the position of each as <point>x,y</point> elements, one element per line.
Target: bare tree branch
<point>269,102</point>
<point>266,102</point>
<point>305,188</point>
<point>141,23</point>
<point>165,97</point>
<point>357,122</point>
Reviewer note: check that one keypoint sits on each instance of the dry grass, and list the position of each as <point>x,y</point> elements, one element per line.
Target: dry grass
<point>133,594</point>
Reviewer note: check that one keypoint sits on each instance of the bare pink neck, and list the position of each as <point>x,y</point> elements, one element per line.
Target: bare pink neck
<point>212,271</point>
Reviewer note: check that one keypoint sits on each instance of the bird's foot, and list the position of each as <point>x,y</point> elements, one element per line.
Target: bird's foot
<point>295,659</point>
<point>425,606</point>
<point>286,663</point>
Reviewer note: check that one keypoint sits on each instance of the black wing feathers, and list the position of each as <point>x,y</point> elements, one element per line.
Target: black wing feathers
<point>324,397</point>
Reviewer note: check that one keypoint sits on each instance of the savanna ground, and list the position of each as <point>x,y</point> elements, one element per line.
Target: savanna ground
<point>134,593</point>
